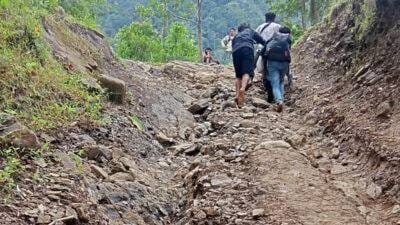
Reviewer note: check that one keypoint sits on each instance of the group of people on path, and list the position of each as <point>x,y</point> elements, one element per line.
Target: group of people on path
<point>272,61</point>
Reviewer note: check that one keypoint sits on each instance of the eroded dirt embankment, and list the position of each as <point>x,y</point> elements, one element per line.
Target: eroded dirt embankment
<point>349,74</point>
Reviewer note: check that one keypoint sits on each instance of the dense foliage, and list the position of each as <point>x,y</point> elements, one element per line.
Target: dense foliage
<point>85,11</point>
<point>299,15</point>
<point>141,42</point>
<point>179,45</point>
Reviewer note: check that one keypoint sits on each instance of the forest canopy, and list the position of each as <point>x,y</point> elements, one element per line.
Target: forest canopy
<point>217,17</point>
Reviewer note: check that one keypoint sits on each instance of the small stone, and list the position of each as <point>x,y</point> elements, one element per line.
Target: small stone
<point>91,84</point>
<point>72,216</point>
<point>395,209</point>
<point>374,191</point>
<point>384,110</point>
<point>211,211</point>
<point>247,124</point>
<point>96,151</point>
<point>82,213</point>
<point>65,160</point>
<point>238,221</point>
<point>99,171</point>
<point>178,149</point>
<point>163,164</point>
<point>121,176</point>
<point>363,210</point>
<point>200,215</point>
<point>335,153</point>
<point>247,115</point>
<point>53,197</point>
<point>194,150</point>
<point>220,180</point>
<point>317,154</point>
<point>258,213</point>
<point>228,104</point>
<point>260,103</point>
<point>43,219</point>
<point>199,106</point>
<point>164,140</point>
<point>16,134</point>
<point>273,145</point>
<point>115,86</point>
<point>296,140</point>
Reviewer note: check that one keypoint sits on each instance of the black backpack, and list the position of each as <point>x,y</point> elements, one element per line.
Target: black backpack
<point>278,48</point>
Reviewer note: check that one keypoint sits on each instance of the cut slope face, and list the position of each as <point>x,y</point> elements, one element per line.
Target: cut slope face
<point>348,69</point>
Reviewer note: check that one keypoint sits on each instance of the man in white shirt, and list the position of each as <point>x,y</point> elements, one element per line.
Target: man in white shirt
<point>226,43</point>
<point>269,28</point>
<point>267,31</point>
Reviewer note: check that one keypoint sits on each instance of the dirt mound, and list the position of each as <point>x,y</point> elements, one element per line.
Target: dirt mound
<point>348,72</point>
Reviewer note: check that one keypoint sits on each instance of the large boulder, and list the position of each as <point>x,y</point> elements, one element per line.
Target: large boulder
<point>14,133</point>
<point>115,86</point>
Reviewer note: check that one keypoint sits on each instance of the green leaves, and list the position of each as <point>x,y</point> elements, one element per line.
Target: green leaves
<point>85,11</point>
<point>138,123</point>
<point>4,3</point>
<point>139,41</point>
<point>179,45</point>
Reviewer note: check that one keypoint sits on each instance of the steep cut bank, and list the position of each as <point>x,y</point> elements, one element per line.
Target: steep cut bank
<point>348,73</point>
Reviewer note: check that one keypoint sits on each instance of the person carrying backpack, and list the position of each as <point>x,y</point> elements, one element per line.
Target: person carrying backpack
<point>278,57</point>
<point>267,31</point>
<point>243,59</point>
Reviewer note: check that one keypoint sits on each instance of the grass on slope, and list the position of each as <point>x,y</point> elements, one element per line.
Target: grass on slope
<point>34,87</point>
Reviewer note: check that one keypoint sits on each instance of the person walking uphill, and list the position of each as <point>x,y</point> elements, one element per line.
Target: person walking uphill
<point>243,59</point>
<point>278,60</point>
<point>267,31</point>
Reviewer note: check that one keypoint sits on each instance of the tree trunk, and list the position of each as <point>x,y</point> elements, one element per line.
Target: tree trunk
<point>303,14</point>
<point>200,27</point>
<point>164,30</point>
<point>313,12</point>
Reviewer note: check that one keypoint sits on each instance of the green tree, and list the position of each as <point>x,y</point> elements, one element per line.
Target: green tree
<point>179,44</point>
<point>162,12</point>
<point>139,41</point>
<point>299,15</point>
<point>85,11</point>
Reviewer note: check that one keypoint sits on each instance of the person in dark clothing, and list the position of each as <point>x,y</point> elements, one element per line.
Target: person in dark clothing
<point>243,59</point>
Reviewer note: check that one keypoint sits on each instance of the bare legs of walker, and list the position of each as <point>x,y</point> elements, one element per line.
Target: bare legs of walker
<point>240,85</point>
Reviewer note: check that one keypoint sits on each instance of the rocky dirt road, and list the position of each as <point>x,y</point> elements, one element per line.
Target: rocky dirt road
<point>256,166</point>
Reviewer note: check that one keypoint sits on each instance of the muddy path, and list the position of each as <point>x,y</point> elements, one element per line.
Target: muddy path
<point>256,166</point>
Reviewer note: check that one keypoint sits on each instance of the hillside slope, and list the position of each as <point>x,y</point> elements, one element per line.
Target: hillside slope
<point>348,72</point>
